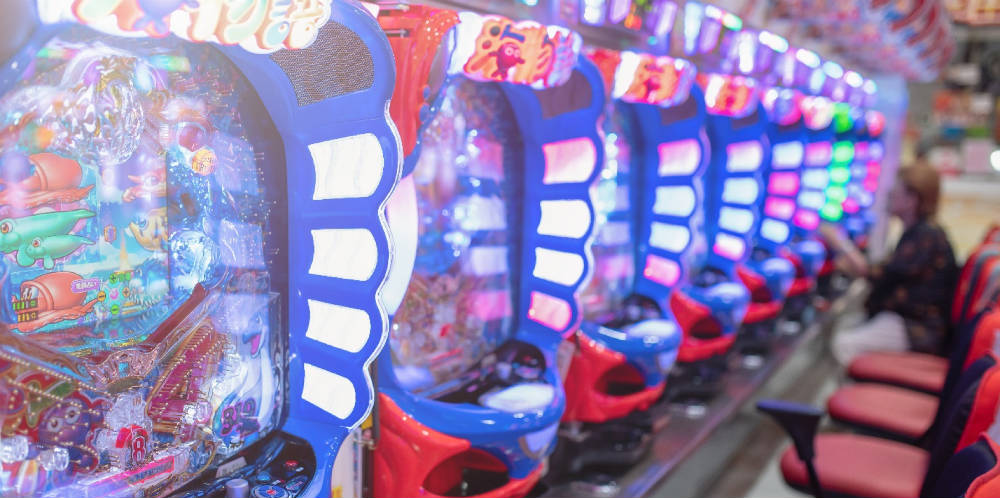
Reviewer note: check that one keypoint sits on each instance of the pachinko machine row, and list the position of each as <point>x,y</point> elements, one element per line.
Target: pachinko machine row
<point>327,248</point>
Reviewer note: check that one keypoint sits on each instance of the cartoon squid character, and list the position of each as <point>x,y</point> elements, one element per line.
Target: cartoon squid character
<point>55,179</point>
<point>507,56</point>
<point>56,300</point>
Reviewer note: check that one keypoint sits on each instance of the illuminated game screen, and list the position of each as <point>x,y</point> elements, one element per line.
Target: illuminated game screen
<point>142,342</point>
<point>614,244</point>
<point>459,303</point>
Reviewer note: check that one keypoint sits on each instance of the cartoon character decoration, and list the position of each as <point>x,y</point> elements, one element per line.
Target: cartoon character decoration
<point>259,26</point>
<point>508,56</point>
<point>493,48</point>
<point>649,79</point>
<point>55,179</point>
<point>50,298</point>
<point>727,95</point>
<point>43,236</point>
<point>149,185</point>
<point>151,230</point>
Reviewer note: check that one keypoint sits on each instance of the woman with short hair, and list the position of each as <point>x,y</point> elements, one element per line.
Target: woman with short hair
<point>911,295</point>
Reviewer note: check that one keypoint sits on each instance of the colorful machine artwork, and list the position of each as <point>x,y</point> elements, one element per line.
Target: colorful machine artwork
<point>159,332</point>
<point>258,26</point>
<point>100,250</point>
<point>525,52</point>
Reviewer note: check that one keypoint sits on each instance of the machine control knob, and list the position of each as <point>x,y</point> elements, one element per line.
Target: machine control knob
<point>237,488</point>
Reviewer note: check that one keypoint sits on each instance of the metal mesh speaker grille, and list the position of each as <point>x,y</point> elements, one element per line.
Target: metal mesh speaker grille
<point>337,63</point>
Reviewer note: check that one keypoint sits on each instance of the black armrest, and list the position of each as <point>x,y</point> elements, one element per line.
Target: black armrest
<point>799,421</point>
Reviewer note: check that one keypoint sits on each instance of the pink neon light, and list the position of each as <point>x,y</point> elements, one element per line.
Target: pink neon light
<point>871,184</point>
<point>786,184</point>
<point>779,208</point>
<point>679,158</point>
<point>729,247</point>
<point>614,267</point>
<point>851,206</point>
<point>569,161</point>
<point>874,169</point>
<point>550,311</point>
<point>661,270</point>
<point>861,151</point>
<point>818,154</point>
<point>491,305</point>
<point>807,219</point>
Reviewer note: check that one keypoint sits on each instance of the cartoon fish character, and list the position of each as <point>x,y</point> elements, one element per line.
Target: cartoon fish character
<point>49,249</point>
<point>151,233</point>
<point>148,185</point>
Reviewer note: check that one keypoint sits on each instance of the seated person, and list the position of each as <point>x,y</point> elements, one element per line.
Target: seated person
<point>911,294</point>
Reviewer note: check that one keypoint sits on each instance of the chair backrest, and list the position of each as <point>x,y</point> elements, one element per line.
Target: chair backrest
<point>963,416</point>
<point>986,336</point>
<point>973,472</point>
<point>968,281</point>
<point>983,295</point>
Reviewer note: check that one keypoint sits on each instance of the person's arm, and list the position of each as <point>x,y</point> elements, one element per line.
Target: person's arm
<point>854,261</point>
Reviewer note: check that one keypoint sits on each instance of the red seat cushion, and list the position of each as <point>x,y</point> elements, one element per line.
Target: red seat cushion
<point>885,408</point>
<point>920,371</point>
<point>861,466</point>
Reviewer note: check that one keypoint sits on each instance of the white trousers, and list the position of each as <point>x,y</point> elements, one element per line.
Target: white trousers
<point>885,331</point>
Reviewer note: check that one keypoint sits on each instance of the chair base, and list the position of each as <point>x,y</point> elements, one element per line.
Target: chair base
<point>618,443</point>
<point>696,382</point>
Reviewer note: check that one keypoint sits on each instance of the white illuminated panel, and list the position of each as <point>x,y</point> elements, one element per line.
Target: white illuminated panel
<point>348,253</point>
<point>774,230</point>
<point>348,167</point>
<point>680,158</point>
<point>744,156</point>
<point>556,266</point>
<point>783,183</point>
<point>338,326</point>
<point>818,154</point>
<point>740,191</point>
<point>476,213</point>
<point>782,209</point>
<point>807,219</point>
<point>787,155</point>
<point>564,218</point>
<point>729,247</point>
<point>614,233</point>
<point>550,311</point>
<point>673,238</point>
<point>662,270</point>
<point>485,260</point>
<point>332,393</point>
<point>735,220</point>
<point>569,161</point>
<point>812,200</point>
<point>674,201</point>
<point>815,178</point>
